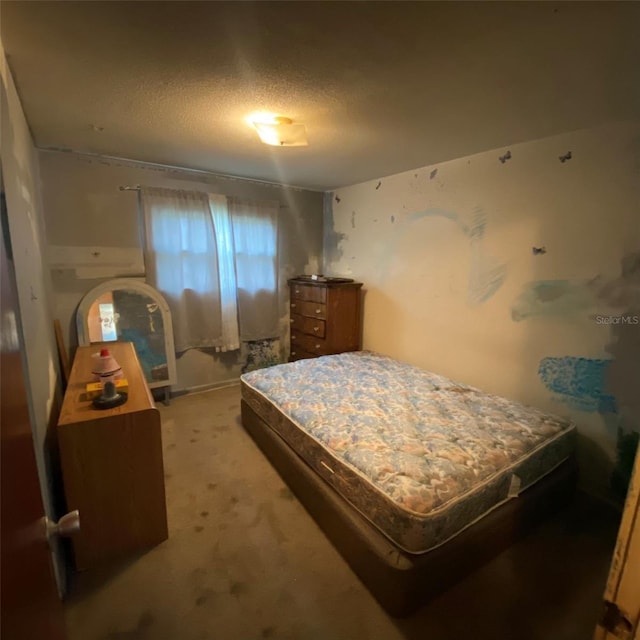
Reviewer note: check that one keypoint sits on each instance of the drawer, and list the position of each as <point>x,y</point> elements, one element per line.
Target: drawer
<point>300,354</point>
<point>309,309</point>
<point>311,344</point>
<point>309,293</point>
<point>311,326</point>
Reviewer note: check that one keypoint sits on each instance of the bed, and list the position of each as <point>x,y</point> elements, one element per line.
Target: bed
<point>415,479</point>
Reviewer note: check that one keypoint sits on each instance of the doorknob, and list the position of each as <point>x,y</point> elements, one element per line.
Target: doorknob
<point>69,523</point>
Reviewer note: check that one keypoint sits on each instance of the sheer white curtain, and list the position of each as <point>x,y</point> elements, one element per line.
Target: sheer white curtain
<point>255,233</point>
<point>226,268</point>
<point>182,260</point>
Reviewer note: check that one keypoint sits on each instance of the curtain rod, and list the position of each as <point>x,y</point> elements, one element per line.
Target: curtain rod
<point>187,170</point>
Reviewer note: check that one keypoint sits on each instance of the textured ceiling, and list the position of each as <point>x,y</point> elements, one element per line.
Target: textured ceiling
<point>382,87</point>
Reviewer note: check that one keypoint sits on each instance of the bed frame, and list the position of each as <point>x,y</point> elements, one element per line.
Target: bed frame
<point>401,581</point>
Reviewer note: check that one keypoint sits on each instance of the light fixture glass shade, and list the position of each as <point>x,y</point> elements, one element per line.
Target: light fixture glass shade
<point>279,134</point>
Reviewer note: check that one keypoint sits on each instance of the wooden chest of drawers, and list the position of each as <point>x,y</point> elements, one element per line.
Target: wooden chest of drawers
<point>112,463</point>
<point>324,316</point>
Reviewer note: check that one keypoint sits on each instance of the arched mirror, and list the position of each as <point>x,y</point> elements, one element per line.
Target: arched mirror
<point>128,310</point>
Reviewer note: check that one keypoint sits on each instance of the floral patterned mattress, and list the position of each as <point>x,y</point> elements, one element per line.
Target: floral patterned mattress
<point>420,456</point>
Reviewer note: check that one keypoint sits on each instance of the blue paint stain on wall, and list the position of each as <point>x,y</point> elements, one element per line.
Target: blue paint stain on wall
<point>552,298</point>
<point>487,274</point>
<point>476,232</point>
<point>485,280</point>
<point>578,382</point>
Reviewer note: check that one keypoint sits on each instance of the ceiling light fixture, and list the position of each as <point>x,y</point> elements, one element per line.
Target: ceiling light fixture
<point>279,131</point>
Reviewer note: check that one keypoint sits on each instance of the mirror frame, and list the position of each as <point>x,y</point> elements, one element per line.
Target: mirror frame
<point>138,286</point>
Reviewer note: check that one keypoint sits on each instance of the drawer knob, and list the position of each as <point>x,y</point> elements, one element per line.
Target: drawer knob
<point>318,310</point>
<point>317,346</point>
<point>293,353</point>
<point>293,305</point>
<point>291,320</point>
<point>293,337</point>
<point>316,328</point>
<point>297,291</point>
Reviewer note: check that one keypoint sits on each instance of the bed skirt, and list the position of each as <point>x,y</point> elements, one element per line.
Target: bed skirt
<point>401,581</point>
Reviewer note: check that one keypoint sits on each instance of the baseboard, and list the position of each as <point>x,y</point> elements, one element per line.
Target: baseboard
<point>202,388</point>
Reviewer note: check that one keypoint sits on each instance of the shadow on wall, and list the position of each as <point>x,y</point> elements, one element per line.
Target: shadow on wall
<point>623,376</point>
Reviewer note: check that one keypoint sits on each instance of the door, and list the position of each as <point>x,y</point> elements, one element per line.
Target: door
<point>29,599</point>
<point>621,616</point>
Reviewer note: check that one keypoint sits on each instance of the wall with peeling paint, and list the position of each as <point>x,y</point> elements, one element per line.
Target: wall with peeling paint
<point>34,324</point>
<point>510,270</point>
<point>84,207</point>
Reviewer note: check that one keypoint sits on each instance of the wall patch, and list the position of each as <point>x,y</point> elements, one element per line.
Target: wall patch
<point>552,298</point>
<point>261,354</point>
<point>333,239</point>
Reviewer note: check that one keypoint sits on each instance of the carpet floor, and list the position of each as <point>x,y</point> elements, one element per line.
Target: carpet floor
<point>244,560</point>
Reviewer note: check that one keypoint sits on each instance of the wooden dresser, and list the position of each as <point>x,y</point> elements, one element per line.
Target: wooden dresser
<point>325,317</point>
<point>112,463</point>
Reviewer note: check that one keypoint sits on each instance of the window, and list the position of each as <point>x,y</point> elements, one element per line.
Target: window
<point>215,261</point>
<point>255,252</point>
<point>182,262</point>
<point>255,234</point>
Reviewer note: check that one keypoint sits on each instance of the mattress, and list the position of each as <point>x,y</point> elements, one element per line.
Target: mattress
<point>418,455</point>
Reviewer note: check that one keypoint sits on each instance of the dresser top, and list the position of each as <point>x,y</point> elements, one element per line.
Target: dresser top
<point>76,407</point>
<point>324,281</point>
